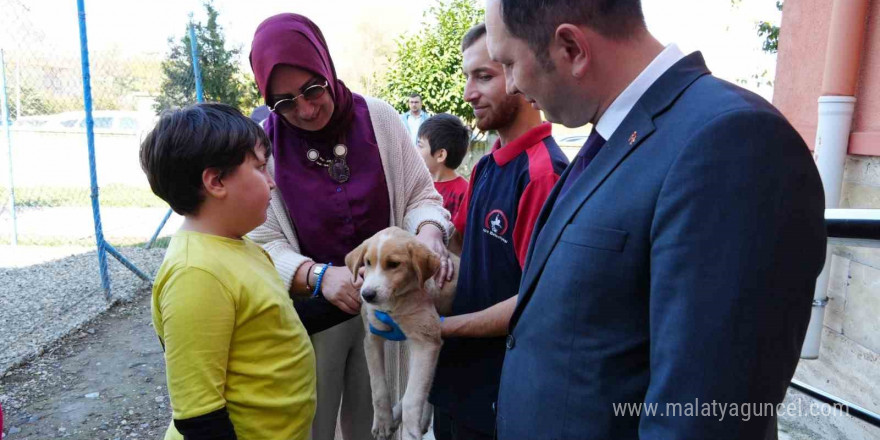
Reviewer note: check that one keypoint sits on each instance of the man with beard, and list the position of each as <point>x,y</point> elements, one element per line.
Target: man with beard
<point>507,190</point>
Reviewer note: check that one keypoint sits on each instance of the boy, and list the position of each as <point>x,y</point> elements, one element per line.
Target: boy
<point>238,361</point>
<point>443,141</point>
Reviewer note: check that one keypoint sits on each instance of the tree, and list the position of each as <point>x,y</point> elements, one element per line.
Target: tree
<point>121,75</point>
<point>429,62</point>
<point>222,80</point>
<point>30,99</point>
<point>250,93</point>
<point>770,33</point>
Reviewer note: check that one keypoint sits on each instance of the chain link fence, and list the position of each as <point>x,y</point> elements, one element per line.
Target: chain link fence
<point>46,158</point>
<point>72,118</point>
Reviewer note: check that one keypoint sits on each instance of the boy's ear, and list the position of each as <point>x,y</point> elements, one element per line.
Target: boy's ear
<point>212,181</point>
<point>440,155</point>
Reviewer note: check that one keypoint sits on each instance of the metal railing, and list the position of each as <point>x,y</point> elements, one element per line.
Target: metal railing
<point>851,409</point>
<point>848,227</point>
<point>853,227</point>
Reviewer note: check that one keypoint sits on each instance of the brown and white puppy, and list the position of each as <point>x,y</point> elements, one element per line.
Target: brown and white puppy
<point>398,280</point>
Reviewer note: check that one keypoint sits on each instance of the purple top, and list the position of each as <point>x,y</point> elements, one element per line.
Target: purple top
<point>332,218</point>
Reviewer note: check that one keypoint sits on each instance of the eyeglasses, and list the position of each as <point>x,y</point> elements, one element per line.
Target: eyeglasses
<point>288,105</point>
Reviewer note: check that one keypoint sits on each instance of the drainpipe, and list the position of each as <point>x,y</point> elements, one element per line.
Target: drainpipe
<point>836,105</point>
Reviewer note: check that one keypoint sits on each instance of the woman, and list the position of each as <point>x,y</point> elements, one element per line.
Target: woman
<point>345,169</point>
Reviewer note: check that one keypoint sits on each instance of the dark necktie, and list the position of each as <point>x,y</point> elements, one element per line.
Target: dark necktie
<point>582,160</point>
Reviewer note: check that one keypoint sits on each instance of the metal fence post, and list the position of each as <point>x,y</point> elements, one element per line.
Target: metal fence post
<point>8,131</point>
<point>90,135</point>
<point>159,229</point>
<point>197,73</point>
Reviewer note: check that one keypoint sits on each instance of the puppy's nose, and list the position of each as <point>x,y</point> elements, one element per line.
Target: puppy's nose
<point>369,295</point>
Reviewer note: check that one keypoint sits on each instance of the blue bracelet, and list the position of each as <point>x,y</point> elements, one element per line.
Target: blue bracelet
<point>317,291</point>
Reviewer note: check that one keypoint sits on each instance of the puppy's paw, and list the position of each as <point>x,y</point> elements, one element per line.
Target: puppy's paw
<point>383,426</point>
<point>412,434</point>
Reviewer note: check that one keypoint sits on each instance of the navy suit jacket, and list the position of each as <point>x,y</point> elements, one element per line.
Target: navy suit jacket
<point>678,269</point>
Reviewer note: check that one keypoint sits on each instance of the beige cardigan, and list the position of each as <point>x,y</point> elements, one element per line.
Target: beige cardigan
<point>410,191</point>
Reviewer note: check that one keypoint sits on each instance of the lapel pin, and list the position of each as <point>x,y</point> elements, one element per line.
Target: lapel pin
<point>633,137</point>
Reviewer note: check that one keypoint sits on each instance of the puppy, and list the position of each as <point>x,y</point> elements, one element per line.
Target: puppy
<point>398,280</point>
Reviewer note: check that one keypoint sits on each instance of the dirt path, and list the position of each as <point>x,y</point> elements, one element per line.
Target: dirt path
<point>116,356</point>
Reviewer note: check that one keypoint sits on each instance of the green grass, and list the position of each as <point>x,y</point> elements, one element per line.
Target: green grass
<point>117,242</point>
<point>111,196</point>
<point>161,243</point>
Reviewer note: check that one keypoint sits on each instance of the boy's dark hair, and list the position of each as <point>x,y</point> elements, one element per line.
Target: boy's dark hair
<point>187,141</point>
<point>472,35</point>
<point>415,95</point>
<point>446,132</point>
<point>535,21</point>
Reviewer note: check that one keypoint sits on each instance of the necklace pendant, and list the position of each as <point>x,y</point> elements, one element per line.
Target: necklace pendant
<point>339,170</point>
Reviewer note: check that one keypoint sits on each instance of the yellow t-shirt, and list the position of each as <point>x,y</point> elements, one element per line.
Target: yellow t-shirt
<point>232,338</point>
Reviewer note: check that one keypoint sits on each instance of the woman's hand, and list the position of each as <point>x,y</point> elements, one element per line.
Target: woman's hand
<point>340,291</point>
<point>432,237</point>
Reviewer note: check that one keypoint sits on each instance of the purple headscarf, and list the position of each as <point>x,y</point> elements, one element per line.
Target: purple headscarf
<point>296,41</point>
<point>330,218</point>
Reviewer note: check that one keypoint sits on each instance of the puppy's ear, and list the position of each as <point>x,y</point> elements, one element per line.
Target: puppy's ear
<point>424,261</point>
<point>355,259</point>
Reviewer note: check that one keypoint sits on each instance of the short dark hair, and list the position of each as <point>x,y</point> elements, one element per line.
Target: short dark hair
<point>446,132</point>
<point>472,35</point>
<point>415,95</point>
<point>187,141</point>
<point>535,21</point>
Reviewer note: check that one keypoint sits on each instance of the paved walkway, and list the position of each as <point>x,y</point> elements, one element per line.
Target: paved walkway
<point>64,226</point>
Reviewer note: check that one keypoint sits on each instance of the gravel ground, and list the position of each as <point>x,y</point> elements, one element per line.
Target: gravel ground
<point>106,380</point>
<point>44,302</point>
<point>23,256</point>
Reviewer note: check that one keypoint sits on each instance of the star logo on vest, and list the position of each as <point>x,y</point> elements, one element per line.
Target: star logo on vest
<point>496,224</point>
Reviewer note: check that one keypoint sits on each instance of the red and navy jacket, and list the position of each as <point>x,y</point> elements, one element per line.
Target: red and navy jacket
<point>506,192</point>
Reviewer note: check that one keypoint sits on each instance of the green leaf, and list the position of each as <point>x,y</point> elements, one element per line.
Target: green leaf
<point>222,79</point>
<point>429,62</point>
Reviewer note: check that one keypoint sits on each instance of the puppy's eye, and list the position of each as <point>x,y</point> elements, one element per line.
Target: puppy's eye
<point>393,264</point>
<point>368,262</point>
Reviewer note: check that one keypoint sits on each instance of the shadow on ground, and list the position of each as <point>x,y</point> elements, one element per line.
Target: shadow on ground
<point>106,380</point>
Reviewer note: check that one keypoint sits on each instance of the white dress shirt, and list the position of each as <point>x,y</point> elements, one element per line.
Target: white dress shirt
<point>613,117</point>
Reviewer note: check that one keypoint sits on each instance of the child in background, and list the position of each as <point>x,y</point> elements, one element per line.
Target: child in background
<point>238,361</point>
<point>443,141</point>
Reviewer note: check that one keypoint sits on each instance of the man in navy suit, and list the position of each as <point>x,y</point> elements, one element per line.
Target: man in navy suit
<point>669,280</point>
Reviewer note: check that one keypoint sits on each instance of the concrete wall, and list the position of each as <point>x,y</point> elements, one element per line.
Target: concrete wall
<point>801,63</point>
<point>849,361</point>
